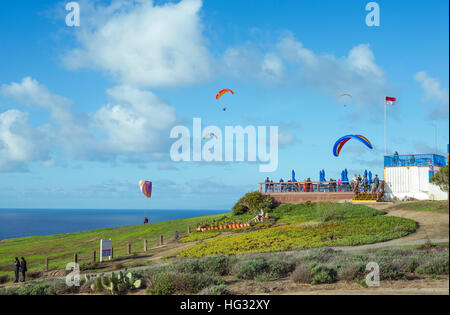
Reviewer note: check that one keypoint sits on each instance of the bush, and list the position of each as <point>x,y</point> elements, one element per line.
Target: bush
<point>169,282</point>
<point>321,274</point>
<point>252,268</point>
<point>36,289</point>
<point>351,272</point>
<point>218,289</point>
<point>437,266</point>
<point>252,202</point>
<point>388,271</point>
<point>5,279</point>
<point>219,264</point>
<point>301,274</point>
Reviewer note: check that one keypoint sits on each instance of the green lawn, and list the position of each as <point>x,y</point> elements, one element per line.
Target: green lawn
<point>435,206</point>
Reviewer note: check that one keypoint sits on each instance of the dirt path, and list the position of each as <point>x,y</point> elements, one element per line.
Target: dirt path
<point>416,285</point>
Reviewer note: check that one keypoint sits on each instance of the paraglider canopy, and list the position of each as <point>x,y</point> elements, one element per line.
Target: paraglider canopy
<point>342,141</point>
<point>222,92</point>
<point>146,188</point>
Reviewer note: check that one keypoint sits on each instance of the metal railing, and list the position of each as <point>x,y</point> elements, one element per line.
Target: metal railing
<point>318,187</point>
<point>414,160</point>
<point>310,187</point>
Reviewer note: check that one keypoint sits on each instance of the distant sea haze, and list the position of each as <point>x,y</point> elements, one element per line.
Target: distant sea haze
<point>16,223</point>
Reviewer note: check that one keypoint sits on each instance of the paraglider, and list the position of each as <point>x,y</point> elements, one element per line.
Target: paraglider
<point>342,141</point>
<point>345,97</point>
<point>208,135</point>
<point>221,93</point>
<point>146,189</point>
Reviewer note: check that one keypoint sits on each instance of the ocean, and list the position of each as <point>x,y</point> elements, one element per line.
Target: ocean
<point>16,223</point>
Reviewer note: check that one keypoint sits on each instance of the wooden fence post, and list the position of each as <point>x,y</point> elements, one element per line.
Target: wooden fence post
<point>75,258</point>
<point>94,256</point>
<point>129,248</point>
<point>46,263</point>
<point>112,252</point>
<point>145,245</point>
<point>161,240</point>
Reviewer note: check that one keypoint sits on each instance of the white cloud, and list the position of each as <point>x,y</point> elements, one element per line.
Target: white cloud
<point>138,121</point>
<point>19,142</point>
<point>135,126</point>
<point>143,44</point>
<point>356,74</point>
<point>434,92</point>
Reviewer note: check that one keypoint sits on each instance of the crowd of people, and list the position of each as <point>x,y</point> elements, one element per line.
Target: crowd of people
<point>358,184</point>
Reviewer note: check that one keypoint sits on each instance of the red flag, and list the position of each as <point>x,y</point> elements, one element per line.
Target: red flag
<point>390,100</point>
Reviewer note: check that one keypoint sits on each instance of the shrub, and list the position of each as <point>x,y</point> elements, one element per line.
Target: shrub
<point>438,265</point>
<point>218,289</point>
<point>301,274</point>
<point>388,271</point>
<point>191,266</point>
<point>351,272</point>
<point>322,274</point>
<point>252,268</point>
<point>252,202</point>
<point>219,264</point>
<point>5,279</point>
<point>279,268</point>
<point>169,282</point>
<point>36,289</point>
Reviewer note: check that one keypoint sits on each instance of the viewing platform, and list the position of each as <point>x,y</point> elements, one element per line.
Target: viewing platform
<point>300,192</point>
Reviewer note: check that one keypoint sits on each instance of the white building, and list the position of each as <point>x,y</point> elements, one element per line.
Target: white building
<point>408,176</point>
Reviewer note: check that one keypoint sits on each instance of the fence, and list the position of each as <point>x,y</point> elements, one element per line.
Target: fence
<point>306,187</point>
<point>138,248</point>
<point>414,160</point>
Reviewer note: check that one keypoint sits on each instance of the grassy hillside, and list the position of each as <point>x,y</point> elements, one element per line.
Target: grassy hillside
<point>332,225</point>
<point>61,248</point>
<point>297,226</point>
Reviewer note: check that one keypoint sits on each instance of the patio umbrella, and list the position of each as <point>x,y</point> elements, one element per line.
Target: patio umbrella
<point>365,173</point>
<point>293,177</point>
<point>323,176</point>
<point>370,177</point>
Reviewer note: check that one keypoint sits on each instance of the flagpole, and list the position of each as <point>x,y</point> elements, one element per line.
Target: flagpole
<point>385,127</point>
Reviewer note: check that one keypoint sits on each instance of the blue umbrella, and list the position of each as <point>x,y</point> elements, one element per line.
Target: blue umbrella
<point>343,176</point>
<point>370,177</point>
<point>293,176</point>
<point>346,175</point>
<point>365,173</point>
<point>323,176</point>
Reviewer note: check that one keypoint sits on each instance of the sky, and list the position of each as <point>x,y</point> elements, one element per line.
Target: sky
<point>86,111</point>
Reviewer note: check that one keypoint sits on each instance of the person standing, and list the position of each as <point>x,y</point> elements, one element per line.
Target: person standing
<point>16,269</point>
<point>23,268</point>
<point>267,185</point>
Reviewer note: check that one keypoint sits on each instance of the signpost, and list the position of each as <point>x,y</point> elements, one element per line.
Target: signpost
<point>105,249</point>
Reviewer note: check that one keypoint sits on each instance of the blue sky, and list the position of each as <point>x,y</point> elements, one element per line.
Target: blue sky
<point>85,112</point>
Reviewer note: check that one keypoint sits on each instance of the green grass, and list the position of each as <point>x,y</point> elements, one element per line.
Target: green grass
<point>319,211</point>
<point>60,249</point>
<point>348,232</point>
<point>433,206</point>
